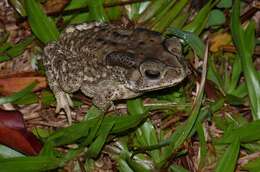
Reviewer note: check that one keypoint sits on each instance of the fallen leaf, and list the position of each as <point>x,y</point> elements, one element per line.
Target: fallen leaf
<point>54,6</point>
<point>218,41</point>
<point>211,91</point>
<point>14,134</point>
<point>10,84</point>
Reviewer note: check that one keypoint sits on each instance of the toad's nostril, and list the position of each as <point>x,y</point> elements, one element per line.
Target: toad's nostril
<point>152,74</point>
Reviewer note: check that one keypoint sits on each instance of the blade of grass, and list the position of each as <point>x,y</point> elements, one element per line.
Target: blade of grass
<point>97,11</point>
<point>135,106</point>
<point>151,10</point>
<point>214,76</point>
<point>29,98</point>
<point>96,146</point>
<point>244,41</point>
<point>5,46</point>
<point>136,165</point>
<point>125,123</point>
<point>19,48</point>
<point>181,19</point>
<point>123,166</point>
<point>161,25</point>
<point>182,132</point>
<point>146,136</point>
<point>4,58</point>
<point>18,95</point>
<point>76,18</point>
<point>203,145</point>
<point>177,168</point>
<point>240,91</point>
<point>19,6</point>
<point>113,13</point>
<point>194,41</point>
<point>247,133</point>
<point>134,10</point>
<point>228,162</point>
<point>87,128</point>
<point>76,4</point>
<point>42,26</point>
<point>72,133</point>
<point>253,165</point>
<point>29,164</point>
<point>93,131</point>
<point>235,74</point>
<point>200,21</point>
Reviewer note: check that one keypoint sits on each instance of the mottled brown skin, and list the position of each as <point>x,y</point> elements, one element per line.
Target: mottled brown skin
<point>108,62</point>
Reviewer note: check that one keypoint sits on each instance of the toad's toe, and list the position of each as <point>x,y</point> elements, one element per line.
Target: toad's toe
<point>64,102</point>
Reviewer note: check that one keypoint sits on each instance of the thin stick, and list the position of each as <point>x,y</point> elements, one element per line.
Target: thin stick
<point>86,9</point>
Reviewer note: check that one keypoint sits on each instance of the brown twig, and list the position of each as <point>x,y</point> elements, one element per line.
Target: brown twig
<point>248,14</point>
<point>86,9</point>
<point>245,16</point>
<point>232,49</point>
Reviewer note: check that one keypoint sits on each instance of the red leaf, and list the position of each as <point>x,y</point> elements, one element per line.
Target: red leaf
<point>14,134</point>
<point>211,91</point>
<point>16,82</point>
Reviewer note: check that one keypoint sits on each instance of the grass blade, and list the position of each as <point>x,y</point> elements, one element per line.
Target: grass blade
<point>19,48</point>
<point>97,11</point>
<point>228,162</point>
<point>98,143</point>
<point>244,41</point>
<point>18,95</point>
<point>161,25</point>
<point>183,131</point>
<point>29,164</point>
<point>200,21</point>
<point>42,26</point>
<point>194,41</point>
<point>247,133</point>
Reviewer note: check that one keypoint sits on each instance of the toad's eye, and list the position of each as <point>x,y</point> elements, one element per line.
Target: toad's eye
<point>152,74</point>
<point>152,69</point>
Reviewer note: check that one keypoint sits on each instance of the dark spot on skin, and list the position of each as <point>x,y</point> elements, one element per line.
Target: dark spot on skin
<point>115,34</point>
<point>154,33</point>
<point>112,43</point>
<point>124,59</point>
<point>119,36</point>
<point>141,43</point>
<point>100,40</point>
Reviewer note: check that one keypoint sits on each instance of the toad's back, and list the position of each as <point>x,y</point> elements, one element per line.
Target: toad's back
<point>102,39</point>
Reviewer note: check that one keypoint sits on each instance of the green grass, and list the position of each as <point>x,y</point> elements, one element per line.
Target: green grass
<point>138,143</point>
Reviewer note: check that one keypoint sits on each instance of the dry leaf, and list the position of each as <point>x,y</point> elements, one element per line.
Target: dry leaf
<point>14,134</point>
<point>219,41</point>
<point>54,6</point>
<point>10,84</point>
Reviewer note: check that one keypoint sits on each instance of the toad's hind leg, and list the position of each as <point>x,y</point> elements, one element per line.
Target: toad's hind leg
<point>60,79</point>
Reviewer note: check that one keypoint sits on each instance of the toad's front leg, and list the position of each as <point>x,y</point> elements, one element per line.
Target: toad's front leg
<point>64,72</point>
<point>105,92</point>
<point>63,99</point>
